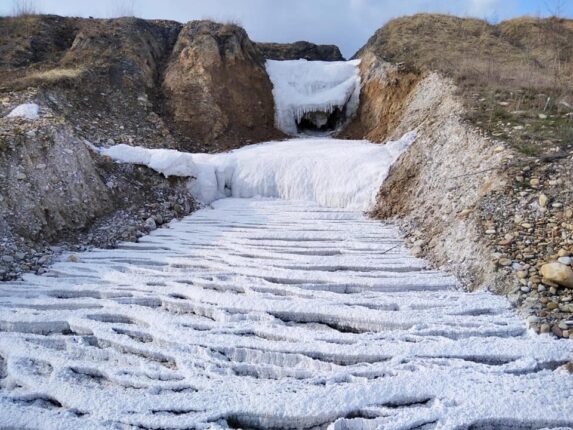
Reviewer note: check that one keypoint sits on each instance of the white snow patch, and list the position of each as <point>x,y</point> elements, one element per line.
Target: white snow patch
<point>29,111</point>
<point>331,172</point>
<point>270,314</point>
<point>302,86</point>
<point>169,162</point>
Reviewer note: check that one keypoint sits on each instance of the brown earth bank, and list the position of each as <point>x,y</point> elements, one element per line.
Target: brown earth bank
<point>195,87</point>
<point>300,50</point>
<point>217,90</point>
<point>56,193</point>
<point>486,189</point>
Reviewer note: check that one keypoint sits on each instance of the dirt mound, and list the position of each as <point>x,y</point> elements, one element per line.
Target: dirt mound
<point>32,39</point>
<point>300,50</point>
<point>56,190</point>
<point>385,87</point>
<point>217,91</point>
<point>517,52</point>
<point>505,73</point>
<point>151,83</point>
<point>202,86</point>
<point>485,189</point>
<point>114,96</point>
<point>103,81</point>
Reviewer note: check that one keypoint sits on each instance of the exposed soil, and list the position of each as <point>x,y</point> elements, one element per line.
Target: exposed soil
<point>217,91</point>
<point>300,50</point>
<point>485,189</point>
<point>384,89</point>
<point>514,78</point>
<point>198,87</point>
<point>57,194</point>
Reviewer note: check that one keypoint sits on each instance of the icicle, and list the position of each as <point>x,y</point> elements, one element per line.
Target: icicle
<point>301,87</point>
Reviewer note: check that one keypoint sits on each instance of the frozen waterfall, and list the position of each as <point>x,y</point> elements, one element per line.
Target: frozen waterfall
<point>315,95</point>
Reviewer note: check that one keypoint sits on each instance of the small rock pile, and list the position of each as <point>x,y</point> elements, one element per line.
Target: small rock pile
<point>529,225</point>
<point>56,195</point>
<point>20,255</point>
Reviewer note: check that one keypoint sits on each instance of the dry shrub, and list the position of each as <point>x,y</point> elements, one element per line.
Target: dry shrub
<point>123,8</point>
<point>55,75</point>
<point>25,8</point>
<point>520,53</point>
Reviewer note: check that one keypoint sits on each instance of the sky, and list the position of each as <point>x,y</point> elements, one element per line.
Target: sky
<point>346,23</point>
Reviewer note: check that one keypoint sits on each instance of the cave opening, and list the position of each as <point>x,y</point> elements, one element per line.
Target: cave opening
<point>320,122</point>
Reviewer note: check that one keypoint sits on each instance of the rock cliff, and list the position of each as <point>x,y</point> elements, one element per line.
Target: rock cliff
<point>484,190</point>
<point>300,50</point>
<point>216,89</point>
<point>196,87</point>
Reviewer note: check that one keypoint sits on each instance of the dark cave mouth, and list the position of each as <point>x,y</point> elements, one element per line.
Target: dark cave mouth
<point>321,122</point>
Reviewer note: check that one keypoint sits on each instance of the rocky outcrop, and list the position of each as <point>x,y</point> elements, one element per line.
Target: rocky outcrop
<point>131,50</point>
<point>199,87</point>
<point>49,181</point>
<point>487,209</point>
<point>55,189</point>
<point>426,189</point>
<point>385,87</point>
<point>300,50</point>
<point>217,91</point>
<point>102,76</point>
<point>121,63</point>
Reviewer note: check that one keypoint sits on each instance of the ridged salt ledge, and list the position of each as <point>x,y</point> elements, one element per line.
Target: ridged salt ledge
<point>269,314</point>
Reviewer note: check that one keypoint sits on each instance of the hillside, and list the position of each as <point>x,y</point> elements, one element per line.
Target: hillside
<point>486,190</point>
<point>195,87</point>
<point>515,77</point>
<point>135,77</point>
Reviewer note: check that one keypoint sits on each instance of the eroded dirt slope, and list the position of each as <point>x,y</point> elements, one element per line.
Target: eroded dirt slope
<point>216,89</point>
<point>471,192</point>
<point>150,83</point>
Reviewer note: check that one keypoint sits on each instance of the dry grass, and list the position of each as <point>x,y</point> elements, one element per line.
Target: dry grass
<point>519,53</point>
<point>122,8</point>
<point>55,75</point>
<point>508,74</point>
<point>25,8</point>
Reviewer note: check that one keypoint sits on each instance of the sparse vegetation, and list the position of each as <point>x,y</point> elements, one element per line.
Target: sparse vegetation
<point>123,8</point>
<point>25,8</point>
<point>54,75</point>
<point>515,77</point>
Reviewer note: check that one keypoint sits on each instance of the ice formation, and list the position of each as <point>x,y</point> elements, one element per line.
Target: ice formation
<point>264,313</point>
<point>28,111</point>
<point>270,314</point>
<point>333,173</point>
<point>301,87</point>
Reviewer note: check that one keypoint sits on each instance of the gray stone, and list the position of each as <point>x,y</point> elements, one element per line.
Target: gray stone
<point>565,260</point>
<point>7,259</point>
<point>150,224</point>
<point>532,319</point>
